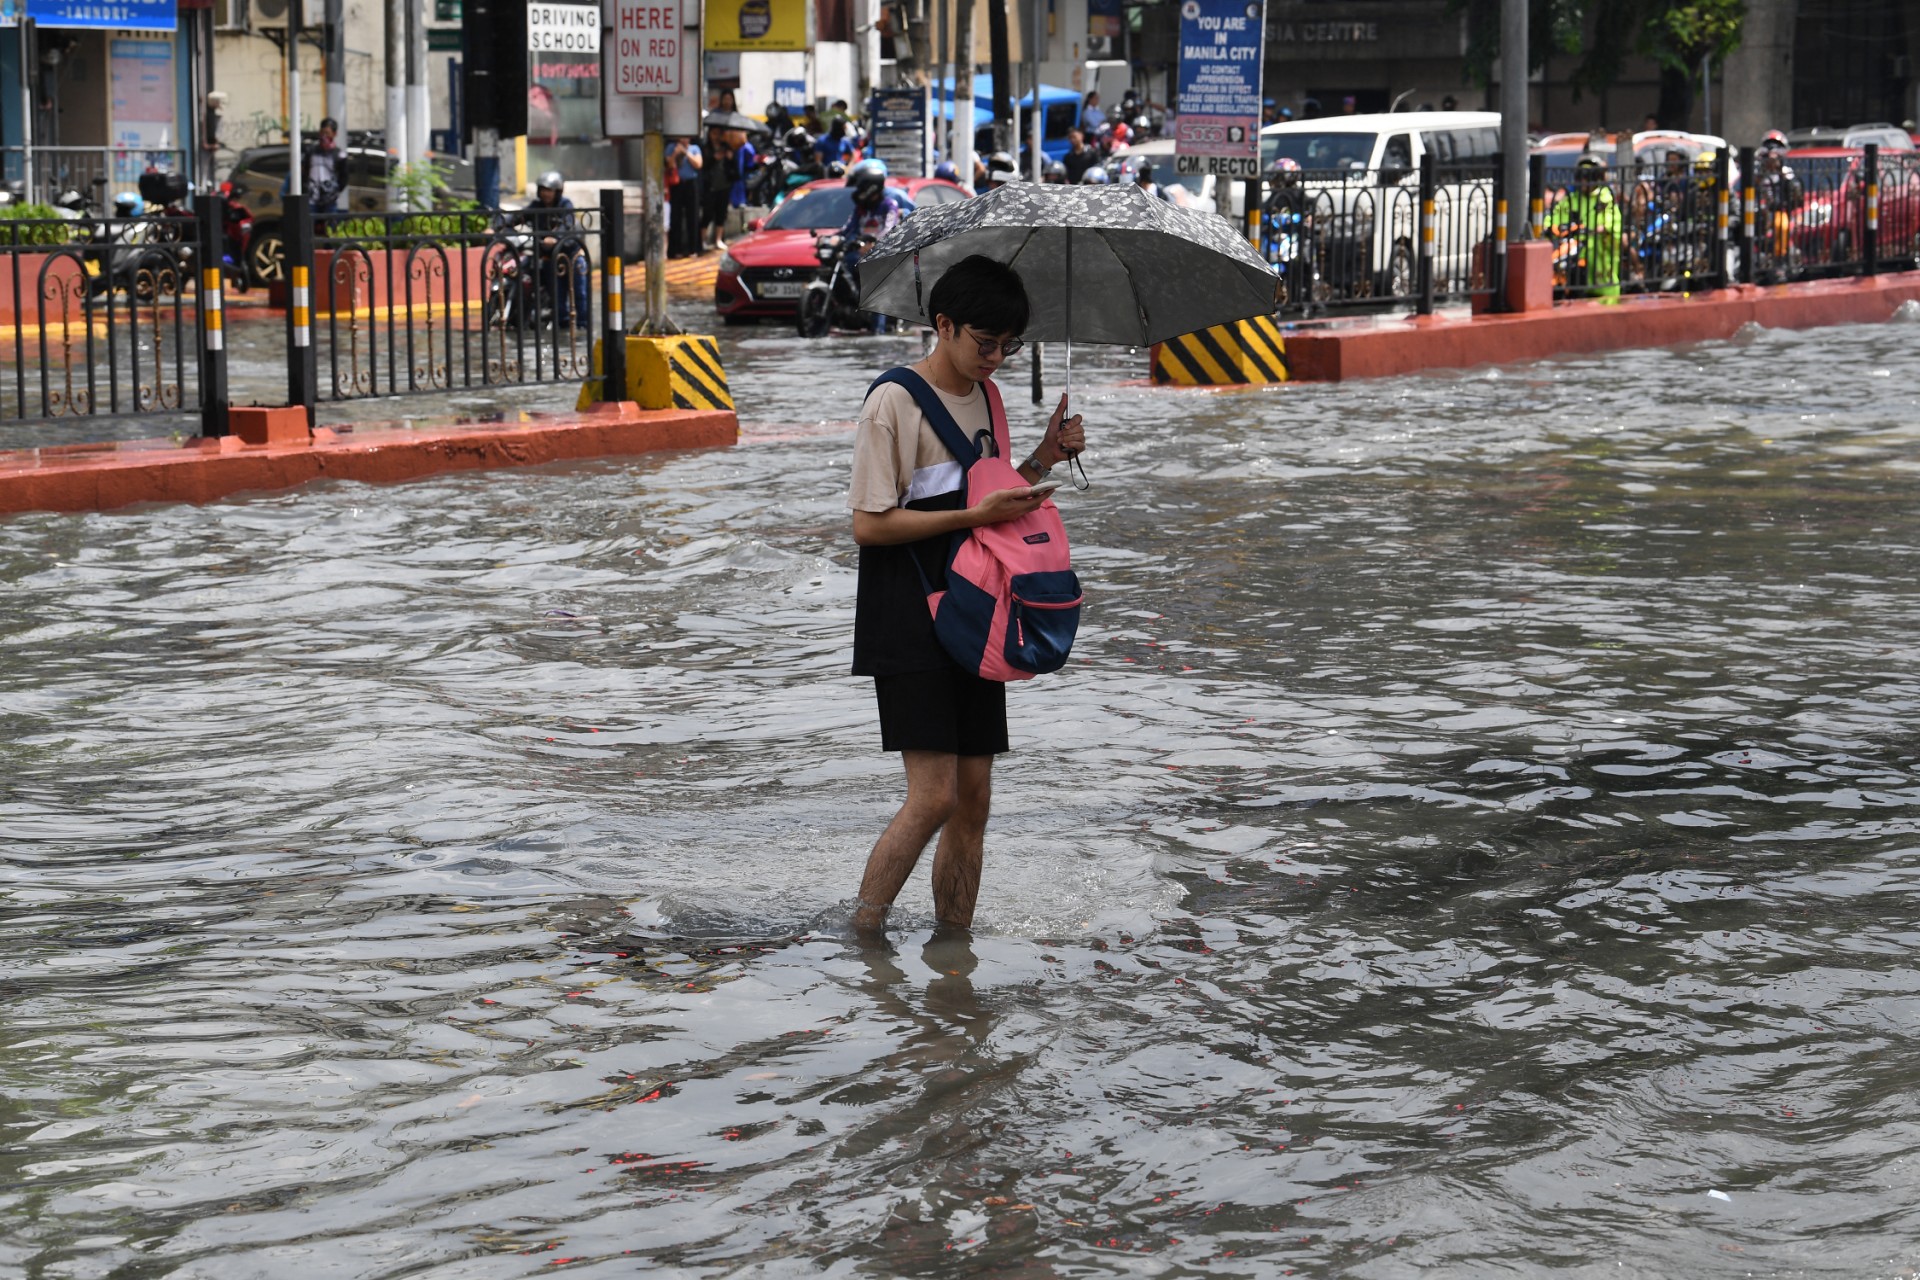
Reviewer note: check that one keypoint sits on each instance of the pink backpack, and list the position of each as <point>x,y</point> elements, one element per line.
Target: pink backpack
<point>1011,603</point>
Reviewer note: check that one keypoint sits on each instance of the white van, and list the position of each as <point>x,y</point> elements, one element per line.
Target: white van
<point>1362,177</point>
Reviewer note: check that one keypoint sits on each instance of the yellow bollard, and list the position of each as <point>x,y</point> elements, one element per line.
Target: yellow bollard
<point>680,372</point>
<point>1246,352</point>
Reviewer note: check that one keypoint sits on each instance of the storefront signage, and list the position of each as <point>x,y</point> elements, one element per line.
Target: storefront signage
<point>897,119</point>
<point>646,50</point>
<point>1217,129</point>
<point>563,28</point>
<point>121,15</point>
<point>758,26</point>
<point>1104,18</point>
<point>1325,32</point>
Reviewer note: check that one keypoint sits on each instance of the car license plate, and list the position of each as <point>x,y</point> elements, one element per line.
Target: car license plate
<point>782,289</point>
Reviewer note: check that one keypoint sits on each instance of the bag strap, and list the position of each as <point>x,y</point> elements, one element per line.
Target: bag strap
<point>939,417</point>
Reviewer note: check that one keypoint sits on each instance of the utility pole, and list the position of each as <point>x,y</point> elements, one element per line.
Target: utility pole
<point>418,118</point>
<point>1513,116</point>
<point>294,176</point>
<point>963,89</point>
<point>396,93</point>
<point>1002,74</point>
<point>653,191</point>
<point>336,38</point>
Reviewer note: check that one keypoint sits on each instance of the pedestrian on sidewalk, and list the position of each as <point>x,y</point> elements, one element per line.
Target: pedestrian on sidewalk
<point>683,197</point>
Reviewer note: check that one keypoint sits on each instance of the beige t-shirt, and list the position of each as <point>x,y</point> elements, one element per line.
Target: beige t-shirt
<point>897,456</point>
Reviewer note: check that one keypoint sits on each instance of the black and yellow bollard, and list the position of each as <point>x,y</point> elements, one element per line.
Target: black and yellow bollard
<point>1244,353</point>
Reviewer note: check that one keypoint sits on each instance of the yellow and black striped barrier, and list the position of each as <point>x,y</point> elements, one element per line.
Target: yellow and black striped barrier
<point>1244,353</point>
<point>679,372</point>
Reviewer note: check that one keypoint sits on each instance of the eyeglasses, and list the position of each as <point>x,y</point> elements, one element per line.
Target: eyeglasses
<point>1009,348</point>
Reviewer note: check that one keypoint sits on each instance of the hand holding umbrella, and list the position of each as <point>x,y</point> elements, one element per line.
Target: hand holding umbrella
<point>1101,264</point>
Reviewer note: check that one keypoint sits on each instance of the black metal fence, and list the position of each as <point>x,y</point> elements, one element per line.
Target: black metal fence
<point>391,304</point>
<point>1375,238</point>
<point>1683,226</point>
<point>125,318</point>
<point>100,318</point>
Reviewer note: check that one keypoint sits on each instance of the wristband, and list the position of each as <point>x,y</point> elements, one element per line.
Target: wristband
<point>1033,460</point>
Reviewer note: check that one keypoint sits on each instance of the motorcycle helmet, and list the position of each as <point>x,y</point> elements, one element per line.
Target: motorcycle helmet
<point>875,166</point>
<point>946,170</point>
<point>1589,171</point>
<point>1095,176</point>
<point>1703,169</point>
<point>1056,171</point>
<point>1774,141</point>
<point>1142,127</point>
<point>868,183</point>
<point>1285,169</point>
<point>798,139</point>
<point>836,170</point>
<point>552,181</point>
<point>128,204</point>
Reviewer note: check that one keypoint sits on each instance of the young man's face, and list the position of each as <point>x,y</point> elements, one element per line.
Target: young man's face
<point>973,351</point>
<point>326,136</point>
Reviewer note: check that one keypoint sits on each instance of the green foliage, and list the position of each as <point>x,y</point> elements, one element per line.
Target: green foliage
<point>55,229</point>
<point>1603,34</point>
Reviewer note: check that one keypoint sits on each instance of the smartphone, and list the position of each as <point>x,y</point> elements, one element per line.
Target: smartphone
<point>1044,488</point>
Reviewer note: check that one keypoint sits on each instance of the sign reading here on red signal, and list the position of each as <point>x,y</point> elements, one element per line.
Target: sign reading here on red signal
<point>646,55</point>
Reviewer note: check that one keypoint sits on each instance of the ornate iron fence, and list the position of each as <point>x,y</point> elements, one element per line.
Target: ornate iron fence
<point>100,318</point>
<point>394,304</point>
<point>1352,239</point>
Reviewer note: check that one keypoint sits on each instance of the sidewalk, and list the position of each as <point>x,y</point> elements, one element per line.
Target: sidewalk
<point>688,280</point>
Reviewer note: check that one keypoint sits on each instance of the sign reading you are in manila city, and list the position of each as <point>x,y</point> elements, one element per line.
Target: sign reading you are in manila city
<point>646,47</point>
<point>1217,129</point>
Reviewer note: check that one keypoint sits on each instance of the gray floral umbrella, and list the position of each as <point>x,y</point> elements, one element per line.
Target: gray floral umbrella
<point>1101,264</point>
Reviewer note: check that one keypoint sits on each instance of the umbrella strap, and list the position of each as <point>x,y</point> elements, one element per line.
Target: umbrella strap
<point>918,301</point>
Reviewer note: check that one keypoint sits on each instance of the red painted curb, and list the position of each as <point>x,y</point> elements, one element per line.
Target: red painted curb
<point>1444,342</point>
<point>99,477</point>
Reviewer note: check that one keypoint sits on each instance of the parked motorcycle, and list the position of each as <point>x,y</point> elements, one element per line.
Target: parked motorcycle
<point>832,299</point>
<point>236,226</point>
<point>519,296</point>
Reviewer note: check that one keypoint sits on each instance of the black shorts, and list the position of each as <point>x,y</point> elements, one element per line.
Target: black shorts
<point>948,711</point>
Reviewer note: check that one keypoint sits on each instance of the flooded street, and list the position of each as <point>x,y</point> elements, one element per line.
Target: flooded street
<point>1476,836</point>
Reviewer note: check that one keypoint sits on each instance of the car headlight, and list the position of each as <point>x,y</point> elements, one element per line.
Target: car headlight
<point>729,265</point>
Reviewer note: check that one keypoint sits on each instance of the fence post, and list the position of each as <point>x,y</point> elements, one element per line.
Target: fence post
<point>213,336</point>
<point>1497,268</point>
<point>296,226</point>
<point>1872,245</point>
<point>1536,197</point>
<point>1722,196</point>
<point>1748,247</point>
<point>613,345</point>
<point>1425,281</point>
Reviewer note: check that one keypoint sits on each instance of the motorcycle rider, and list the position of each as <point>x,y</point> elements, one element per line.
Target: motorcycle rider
<point>1001,170</point>
<point>1055,173</point>
<point>1286,217</point>
<point>876,211</point>
<point>1589,214</point>
<point>1777,194</point>
<point>551,217</point>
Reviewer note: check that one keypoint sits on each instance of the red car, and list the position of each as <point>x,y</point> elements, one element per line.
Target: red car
<point>764,273</point>
<point>1830,224</point>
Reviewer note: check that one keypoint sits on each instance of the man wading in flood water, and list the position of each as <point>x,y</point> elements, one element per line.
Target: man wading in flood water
<point>908,498</point>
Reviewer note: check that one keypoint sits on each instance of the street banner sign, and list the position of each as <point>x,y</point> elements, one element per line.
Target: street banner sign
<point>897,120</point>
<point>647,55</point>
<point>1217,130</point>
<point>563,28</point>
<point>759,26</point>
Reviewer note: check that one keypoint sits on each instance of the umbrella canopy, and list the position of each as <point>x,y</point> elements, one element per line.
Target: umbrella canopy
<point>733,120</point>
<point>1100,264</point>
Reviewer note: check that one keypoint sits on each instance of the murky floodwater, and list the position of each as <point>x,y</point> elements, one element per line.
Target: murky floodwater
<point>1477,836</point>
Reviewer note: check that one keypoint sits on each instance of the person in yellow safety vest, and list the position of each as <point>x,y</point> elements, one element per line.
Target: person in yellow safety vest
<point>1591,217</point>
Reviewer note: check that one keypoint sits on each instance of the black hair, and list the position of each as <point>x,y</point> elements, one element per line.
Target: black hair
<point>330,123</point>
<point>980,292</point>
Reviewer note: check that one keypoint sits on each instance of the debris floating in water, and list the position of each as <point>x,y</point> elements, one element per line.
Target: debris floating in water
<point>1720,1195</point>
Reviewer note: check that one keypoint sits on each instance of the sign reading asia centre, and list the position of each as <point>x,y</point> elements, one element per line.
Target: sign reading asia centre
<point>646,47</point>
<point>1217,130</point>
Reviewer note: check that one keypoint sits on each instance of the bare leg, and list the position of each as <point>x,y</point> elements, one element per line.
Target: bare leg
<point>931,784</point>
<point>957,859</point>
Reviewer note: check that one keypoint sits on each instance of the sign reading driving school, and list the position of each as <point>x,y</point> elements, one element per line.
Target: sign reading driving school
<point>758,26</point>
<point>563,28</point>
<point>1217,129</point>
